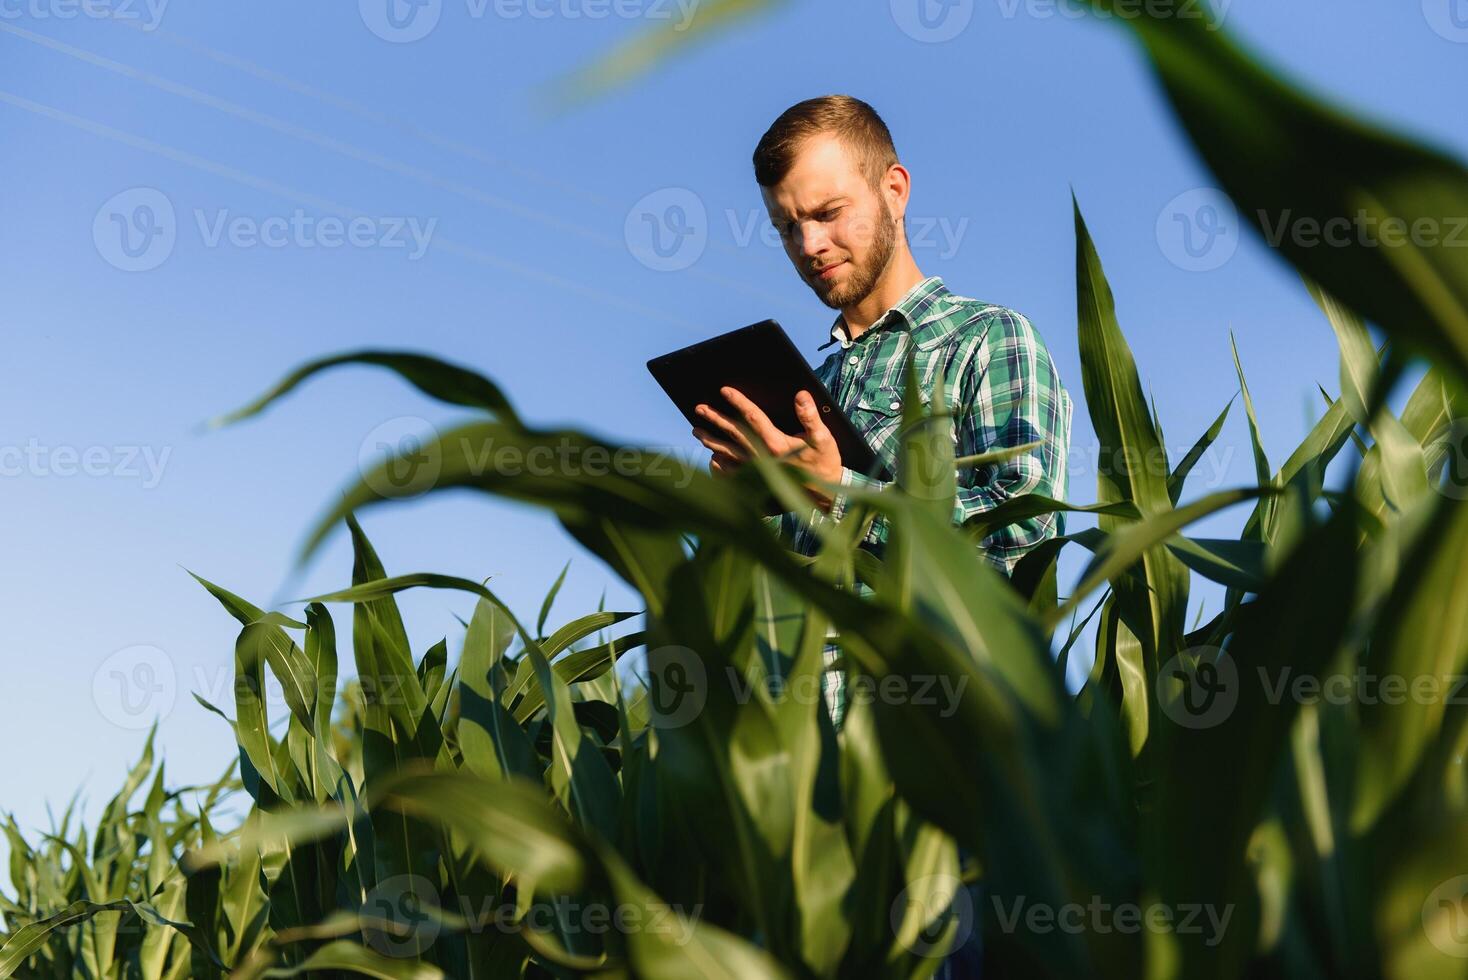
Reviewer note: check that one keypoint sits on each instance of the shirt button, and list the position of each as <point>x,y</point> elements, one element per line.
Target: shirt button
<point>896,406</point>
<point>852,359</point>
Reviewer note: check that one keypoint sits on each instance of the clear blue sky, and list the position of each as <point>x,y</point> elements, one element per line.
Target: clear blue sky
<point>234,114</point>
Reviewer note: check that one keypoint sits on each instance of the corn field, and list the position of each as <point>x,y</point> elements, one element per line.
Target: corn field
<point>525,808</point>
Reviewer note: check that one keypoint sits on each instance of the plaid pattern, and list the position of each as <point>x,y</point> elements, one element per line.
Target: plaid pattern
<point>1003,389</point>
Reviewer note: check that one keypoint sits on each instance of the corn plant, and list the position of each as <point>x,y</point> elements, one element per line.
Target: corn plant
<point>462,820</point>
<point>528,809</point>
<point>110,902</point>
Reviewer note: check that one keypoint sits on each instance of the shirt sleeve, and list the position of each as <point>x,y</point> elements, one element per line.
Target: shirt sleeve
<point>1013,397</point>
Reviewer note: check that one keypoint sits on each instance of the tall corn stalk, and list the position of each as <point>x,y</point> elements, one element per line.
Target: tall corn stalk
<point>522,810</point>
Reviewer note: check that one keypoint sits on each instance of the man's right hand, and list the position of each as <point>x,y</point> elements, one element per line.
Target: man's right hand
<point>723,465</point>
<point>727,456</point>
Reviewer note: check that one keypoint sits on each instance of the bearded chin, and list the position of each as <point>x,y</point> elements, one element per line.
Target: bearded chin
<point>862,279</point>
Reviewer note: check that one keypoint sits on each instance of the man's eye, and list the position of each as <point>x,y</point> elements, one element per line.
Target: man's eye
<point>828,215</point>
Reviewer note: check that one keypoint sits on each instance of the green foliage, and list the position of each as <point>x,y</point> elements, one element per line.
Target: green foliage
<point>529,809</point>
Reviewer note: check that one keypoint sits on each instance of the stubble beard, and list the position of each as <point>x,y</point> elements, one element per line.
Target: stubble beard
<point>862,278</point>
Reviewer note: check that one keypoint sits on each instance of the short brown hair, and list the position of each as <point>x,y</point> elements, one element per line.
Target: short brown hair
<point>851,120</point>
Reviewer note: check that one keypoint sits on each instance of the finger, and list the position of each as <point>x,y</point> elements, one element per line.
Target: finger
<point>809,415</point>
<point>757,419</point>
<point>718,446</point>
<point>732,432</point>
<point>721,465</point>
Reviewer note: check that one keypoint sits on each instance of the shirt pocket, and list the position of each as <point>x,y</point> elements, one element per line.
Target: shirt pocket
<point>877,415</point>
<point>882,400</point>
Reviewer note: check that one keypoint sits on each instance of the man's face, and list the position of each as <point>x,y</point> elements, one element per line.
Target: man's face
<point>829,218</point>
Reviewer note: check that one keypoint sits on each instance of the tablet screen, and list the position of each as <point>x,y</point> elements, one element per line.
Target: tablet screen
<point>761,362</point>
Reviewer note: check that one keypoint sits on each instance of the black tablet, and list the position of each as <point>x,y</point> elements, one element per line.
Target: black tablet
<point>760,361</point>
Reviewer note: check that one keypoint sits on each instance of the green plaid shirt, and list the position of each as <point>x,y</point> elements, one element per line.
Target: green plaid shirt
<point>1003,389</point>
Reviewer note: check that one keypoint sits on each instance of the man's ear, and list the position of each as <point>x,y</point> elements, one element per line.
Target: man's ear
<point>897,188</point>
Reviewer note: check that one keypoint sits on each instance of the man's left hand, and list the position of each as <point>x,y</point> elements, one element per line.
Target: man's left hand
<point>812,450</point>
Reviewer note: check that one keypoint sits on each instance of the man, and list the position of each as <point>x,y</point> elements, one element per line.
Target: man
<point>835,191</point>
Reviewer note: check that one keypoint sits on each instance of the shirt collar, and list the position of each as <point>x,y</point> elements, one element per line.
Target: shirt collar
<point>921,311</point>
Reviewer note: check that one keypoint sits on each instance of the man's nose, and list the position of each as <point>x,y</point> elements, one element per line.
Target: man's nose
<point>813,241</point>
